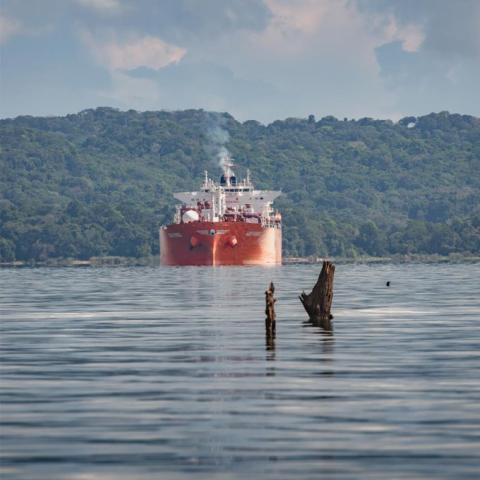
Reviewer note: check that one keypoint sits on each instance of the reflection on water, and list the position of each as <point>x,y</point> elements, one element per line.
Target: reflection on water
<point>327,343</point>
<point>150,373</point>
<point>270,344</point>
<point>325,332</point>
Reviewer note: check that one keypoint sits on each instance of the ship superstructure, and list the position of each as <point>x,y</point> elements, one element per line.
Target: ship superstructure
<point>225,223</point>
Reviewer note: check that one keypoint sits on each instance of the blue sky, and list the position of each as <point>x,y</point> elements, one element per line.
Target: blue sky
<point>257,59</point>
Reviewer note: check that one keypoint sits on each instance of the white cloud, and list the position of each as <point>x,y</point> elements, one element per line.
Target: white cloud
<point>412,38</point>
<point>410,35</point>
<point>150,52</point>
<point>320,56</point>
<point>294,25</point>
<point>304,16</point>
<point>298,26</point>
<point>8,28</point>
<point>309,33</point>
<point>120,57</point>
<point>101,5</point>
<point>261,59</point>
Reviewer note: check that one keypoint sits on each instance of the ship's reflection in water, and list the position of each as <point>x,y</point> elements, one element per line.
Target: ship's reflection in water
<point>153,373</point>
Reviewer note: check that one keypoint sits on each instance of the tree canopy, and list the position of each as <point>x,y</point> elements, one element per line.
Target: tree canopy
<point>100,182</point>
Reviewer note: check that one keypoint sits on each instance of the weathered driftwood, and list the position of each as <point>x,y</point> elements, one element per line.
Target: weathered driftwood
<point>319,302</point>
<point>270,311</point>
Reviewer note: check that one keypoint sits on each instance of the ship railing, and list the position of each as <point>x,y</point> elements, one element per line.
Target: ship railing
<point>270,223</point>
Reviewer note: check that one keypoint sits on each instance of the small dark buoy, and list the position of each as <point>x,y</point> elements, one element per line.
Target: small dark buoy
<point>388,284</point>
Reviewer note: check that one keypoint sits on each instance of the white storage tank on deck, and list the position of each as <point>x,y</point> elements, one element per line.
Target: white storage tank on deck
<point>190,216</point>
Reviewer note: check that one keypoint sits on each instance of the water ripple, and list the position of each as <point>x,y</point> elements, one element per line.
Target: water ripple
<point>146,373</point>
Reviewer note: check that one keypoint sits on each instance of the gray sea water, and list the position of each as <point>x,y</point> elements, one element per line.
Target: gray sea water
<point>165,373</point>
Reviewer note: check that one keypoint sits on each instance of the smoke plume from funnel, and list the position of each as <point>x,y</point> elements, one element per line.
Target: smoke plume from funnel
<point>218,137</point>
<point>223,156</point>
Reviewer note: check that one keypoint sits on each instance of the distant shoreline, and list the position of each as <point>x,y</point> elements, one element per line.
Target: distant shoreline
<point>154,261</point>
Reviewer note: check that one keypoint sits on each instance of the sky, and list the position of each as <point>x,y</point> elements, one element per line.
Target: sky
<point>256,59</point>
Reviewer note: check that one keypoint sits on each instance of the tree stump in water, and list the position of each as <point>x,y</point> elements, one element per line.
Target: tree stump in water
<point>319,302</point>
<point>270,311</point>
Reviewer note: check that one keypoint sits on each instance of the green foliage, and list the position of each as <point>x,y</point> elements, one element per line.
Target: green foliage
<point>100,182</point>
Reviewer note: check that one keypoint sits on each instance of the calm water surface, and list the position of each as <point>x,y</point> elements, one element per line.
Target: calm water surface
<point>146,373</point>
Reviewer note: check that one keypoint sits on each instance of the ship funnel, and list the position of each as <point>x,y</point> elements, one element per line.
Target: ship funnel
<point>228,178</point>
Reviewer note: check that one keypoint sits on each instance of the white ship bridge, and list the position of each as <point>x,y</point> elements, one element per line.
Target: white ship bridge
<point>229,200</point>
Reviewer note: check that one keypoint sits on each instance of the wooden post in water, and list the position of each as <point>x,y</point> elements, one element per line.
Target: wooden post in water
<point>319,302</point>
<point>270,311</point>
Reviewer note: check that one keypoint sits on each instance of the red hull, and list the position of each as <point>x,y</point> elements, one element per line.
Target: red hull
<point>220,243</point>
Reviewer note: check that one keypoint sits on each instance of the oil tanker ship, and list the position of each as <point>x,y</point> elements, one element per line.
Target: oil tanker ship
<point>229,223</point>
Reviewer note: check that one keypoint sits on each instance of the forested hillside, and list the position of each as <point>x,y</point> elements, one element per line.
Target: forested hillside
<point>100,182</point>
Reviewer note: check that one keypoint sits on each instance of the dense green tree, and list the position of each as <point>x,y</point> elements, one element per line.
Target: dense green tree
<point>7,250</point>
<point>100,182</point>
<point>371,239</point>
